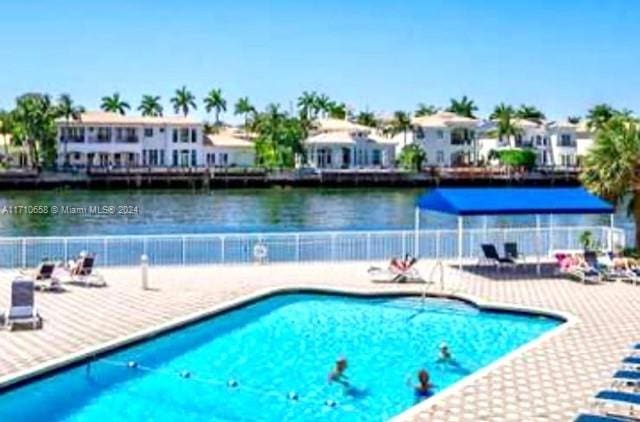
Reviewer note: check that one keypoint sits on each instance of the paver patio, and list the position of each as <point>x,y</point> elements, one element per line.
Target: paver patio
<point>550,382</point>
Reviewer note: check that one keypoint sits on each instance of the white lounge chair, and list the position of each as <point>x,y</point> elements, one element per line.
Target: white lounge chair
<point>23,309</point>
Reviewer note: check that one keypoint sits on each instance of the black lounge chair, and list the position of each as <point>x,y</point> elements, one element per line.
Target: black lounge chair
<point>84,273</point>
<point>491,256</point>
<point>23,309</point>
<point>511,251</point>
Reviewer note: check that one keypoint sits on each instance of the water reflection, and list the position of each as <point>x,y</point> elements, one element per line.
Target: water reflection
<point>276,209</point>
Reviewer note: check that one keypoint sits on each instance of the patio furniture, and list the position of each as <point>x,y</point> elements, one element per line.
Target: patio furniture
<point>491,256</point>
<point>627,377</point>
<point>44,277</point>
<point>84,273</point>
<point>511,251</point>
<point>398,271</point>
<point>618,398</point>
<point>584,417</point>
<point>23,309</point>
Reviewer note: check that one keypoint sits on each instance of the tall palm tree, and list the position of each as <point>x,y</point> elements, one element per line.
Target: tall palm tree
<point>70,111</point>
<point>530,112</point>
<point>574,119</point>
<point>150,106</point>
<point>215,101</point>
<point>464,107</point>
<point>322,105</point>
<point>425,110</point>
<point>6,127</point>
<point>599,115</point>
<point>503,114</point>
<point>306,104</point>
<point>183,101</point>
<point>367,118</point>
<point>612,165</point>
<point>115,104</point>
<point>401,123</point>
<point>243,106</point>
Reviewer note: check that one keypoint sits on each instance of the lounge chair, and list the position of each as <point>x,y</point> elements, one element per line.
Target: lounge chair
<point>23,309</point>
<point>511,251</point>
<point>84,274</point>
<point>626,377</point>
<point>618,398</point>
<point>398,271</point>
<point>601,418</point>
<point>44,277</point>
<point>605,265</point>
<point>578,269</point>
<point>491,256</point>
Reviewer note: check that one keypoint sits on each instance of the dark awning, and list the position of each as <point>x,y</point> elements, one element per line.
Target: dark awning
<point>512,201</point>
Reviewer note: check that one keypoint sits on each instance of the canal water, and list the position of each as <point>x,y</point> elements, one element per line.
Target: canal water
<point>84,212</point>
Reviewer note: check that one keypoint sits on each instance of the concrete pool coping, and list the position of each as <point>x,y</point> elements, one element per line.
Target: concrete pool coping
<point>15,380</point>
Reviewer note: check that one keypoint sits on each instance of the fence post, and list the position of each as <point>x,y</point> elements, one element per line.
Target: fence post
<point>105,252</point>
<point>369,247</point>
<point>404,243</point>
<point>437,244</point>
<point>297,252</point>
<point>66,251</point>
<point>333,247</point>
<point>24,253</point>
<point>222,257</point>
<point>183,250</point>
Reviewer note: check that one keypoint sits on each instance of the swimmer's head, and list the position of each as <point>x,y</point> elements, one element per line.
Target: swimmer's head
<point>444,346</point>
<point>341,362</point>
<point>423,376</point>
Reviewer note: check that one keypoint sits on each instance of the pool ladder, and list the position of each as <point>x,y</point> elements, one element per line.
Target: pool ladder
<point>439,266</point>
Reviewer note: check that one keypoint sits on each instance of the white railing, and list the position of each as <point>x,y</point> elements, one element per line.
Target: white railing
<point>231,248</point>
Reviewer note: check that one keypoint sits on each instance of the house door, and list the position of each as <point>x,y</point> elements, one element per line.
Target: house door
<point>346,158</point>
<point>323,158</point>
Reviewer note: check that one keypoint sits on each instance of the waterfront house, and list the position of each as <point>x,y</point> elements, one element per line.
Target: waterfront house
<point>103,139</point>
<point>340,144</point>
<point>570,142</point>
<point>531,135</point>
<point>447,138</point>
<point>229,147</point>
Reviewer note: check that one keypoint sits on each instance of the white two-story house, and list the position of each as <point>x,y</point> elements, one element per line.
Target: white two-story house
<point>447,138</point>
<point>531,134</point>
<point>102,139</point>
<point>340,144</point>
<point>570,142</point>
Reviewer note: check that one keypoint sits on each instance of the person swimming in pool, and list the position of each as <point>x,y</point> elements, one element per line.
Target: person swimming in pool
<point>424,388</point>
<point>338,375</point>
<point>444,355</point>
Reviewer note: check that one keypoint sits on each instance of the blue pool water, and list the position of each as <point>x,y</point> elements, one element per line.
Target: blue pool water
<point>286,343</point>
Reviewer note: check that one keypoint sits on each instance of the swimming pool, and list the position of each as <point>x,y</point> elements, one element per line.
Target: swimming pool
<point>269,360</point>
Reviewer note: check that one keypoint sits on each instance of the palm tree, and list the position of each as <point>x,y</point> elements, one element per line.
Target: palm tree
<point>150,106</point>
<point>215,101</point>
<point>464,107</point>
<point>503,114</point>
<point>322,105</point>
<point>612,165</point>
<point>306,104</point>
<point>401,123</point>
<point>574,119</point>
<point>425,110</point>
<point>367,118</point>
<point>183,101</point>
<point>530,112</point>
<point>243,106</point>
<point>599,115</point>
<point>68,110</point>
<point>337,110</point>
<point>115,104</point>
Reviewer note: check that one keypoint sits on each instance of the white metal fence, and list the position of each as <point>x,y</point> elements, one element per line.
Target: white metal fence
<point>194,249</point>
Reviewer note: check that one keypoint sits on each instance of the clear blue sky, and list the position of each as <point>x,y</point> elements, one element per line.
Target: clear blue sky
<point>562,56</point>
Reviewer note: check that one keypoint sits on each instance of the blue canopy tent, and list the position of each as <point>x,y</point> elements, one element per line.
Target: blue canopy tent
<point>464,202</point>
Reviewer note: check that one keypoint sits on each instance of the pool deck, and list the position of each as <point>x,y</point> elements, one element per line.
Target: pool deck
<point>551,381</point>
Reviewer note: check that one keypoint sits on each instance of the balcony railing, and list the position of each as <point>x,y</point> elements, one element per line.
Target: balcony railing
<point>72,139</point>
<point>131,139</point>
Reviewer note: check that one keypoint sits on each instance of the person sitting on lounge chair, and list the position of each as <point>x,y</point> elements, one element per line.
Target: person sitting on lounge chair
<point>398,271</point>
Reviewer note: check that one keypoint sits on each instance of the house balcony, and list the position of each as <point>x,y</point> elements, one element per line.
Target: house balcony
<point>72,140</point>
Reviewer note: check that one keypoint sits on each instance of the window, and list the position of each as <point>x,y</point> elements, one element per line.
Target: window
<point>148,132</point>
<point>175,157</point>
<point>194,136</point>
<point>161,130</point>
<point>162,157</point>
<point>184,135</point>
<point>440,157</point>
<point>194,157</point>
<point>565,140</point>
<point>175,135</point>
<point>144,156</point>
<point>224,157</point>
<point>440,134</point>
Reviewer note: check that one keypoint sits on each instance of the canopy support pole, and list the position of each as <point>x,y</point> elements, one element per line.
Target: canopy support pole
<point>460,237</point>
<point>538,244</point>
<point>610,236</point>
<point>416,235</point>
